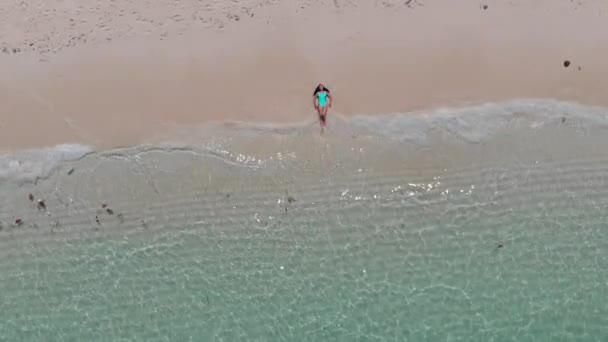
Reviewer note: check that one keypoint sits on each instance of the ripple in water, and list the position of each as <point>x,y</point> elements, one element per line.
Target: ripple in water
<point>288,236</point>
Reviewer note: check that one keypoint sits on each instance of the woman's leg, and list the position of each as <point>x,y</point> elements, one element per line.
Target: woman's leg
<point>323,117</point>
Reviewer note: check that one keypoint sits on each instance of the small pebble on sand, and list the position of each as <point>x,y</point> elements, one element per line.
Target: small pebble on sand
<point>41,204</point>
<point>18,222</point>
<point>566,63</point>
<point>71,171</point>
<point>31,197</point>
<point>110,211</point>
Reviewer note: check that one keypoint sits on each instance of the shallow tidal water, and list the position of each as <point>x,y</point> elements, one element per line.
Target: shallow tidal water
<point>452,231</point>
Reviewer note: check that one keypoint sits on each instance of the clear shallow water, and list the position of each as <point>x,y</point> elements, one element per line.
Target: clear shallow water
<point>457,230</point>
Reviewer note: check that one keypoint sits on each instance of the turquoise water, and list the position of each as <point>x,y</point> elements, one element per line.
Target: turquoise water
<point>443,234</point>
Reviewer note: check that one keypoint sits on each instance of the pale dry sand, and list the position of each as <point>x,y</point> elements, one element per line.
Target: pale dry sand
<point>118,72</point>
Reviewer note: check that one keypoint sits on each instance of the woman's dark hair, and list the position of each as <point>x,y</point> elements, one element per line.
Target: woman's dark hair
<point>318,88</point>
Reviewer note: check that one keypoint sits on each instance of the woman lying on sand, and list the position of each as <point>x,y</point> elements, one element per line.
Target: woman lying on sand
<point>322,100</point>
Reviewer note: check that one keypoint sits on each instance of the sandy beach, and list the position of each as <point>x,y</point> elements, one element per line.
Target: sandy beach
<point>117,73</point>
<point>163,176</point>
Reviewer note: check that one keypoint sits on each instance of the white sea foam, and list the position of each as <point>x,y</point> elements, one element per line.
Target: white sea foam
<point>32,164</point>
<point>469,124</point>
<point>475,123</point>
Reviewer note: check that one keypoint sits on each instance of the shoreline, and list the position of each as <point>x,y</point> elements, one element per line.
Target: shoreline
<point>262,69</point>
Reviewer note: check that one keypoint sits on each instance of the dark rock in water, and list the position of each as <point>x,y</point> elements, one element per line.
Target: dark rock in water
<point>485,7</point>
<point>500,245</point>
<point>18,222</point>
<point>31,197</point>
<point>566,63</point>
<point>41,204</point>
<point>71,171</point>
<point>97,219</point>
<point>579,68</point>
<point>110,211</point>
<point>563,119</point>
<point>104,205</point>
<point>290,199</point>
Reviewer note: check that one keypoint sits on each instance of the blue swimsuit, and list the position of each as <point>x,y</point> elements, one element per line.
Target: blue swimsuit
<point>322,96</point>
